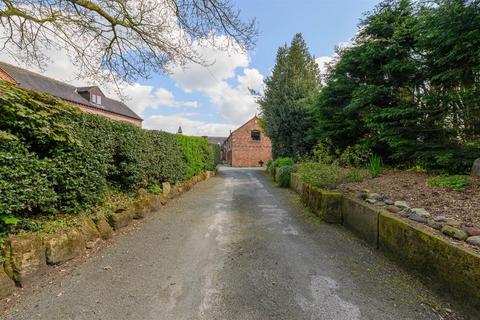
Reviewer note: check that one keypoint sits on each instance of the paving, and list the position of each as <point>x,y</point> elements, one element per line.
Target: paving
<point>234,247</point>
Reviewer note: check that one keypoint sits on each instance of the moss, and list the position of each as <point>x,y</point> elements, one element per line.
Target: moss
<point>430,255</point>
<point>331,207</point>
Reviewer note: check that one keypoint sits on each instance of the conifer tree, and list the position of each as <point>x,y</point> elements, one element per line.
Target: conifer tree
<point>289,93</point>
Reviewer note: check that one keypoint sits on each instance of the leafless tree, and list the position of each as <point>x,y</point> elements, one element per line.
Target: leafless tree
<point>126,38</point>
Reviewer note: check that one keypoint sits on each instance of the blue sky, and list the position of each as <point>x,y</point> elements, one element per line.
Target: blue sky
<point>214,100</point>
<point>323,23</point>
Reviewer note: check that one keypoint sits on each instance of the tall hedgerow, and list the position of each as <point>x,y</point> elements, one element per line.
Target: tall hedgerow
<point>55,158</point>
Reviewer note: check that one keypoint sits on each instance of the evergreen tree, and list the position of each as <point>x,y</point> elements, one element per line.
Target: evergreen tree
<point>289,94</point>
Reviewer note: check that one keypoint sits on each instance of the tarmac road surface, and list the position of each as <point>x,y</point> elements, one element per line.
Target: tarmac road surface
<point>235,247</point>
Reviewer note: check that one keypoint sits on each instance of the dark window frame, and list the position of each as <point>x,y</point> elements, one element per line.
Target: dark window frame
<point>255,135</point>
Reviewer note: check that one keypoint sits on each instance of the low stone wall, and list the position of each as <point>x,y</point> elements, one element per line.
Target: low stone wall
<point>411,244</point>
<point>27,256</point>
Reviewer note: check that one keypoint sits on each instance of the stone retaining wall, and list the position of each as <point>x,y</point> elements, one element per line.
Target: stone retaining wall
<point>412,245</point>
<point>26,256</point>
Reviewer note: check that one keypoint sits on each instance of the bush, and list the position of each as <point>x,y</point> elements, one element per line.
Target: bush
<point>457,182</point>
<point>217,154</point>
<point>328,176</point>
<point>282,176</point>
<point>283,161</point>
<point>55,158</point>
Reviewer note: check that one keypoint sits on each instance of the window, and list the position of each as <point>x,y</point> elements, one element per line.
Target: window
<point>255,135</point>
<point>96,99</point>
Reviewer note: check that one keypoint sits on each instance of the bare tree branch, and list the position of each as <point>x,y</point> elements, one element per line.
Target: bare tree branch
<point>121,39</point>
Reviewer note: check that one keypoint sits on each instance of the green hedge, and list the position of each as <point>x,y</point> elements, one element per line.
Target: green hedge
<point>55,158</point>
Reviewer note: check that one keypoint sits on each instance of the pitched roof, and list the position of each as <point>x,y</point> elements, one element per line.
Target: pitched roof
<point>30,80</point>
<point>216,140</point>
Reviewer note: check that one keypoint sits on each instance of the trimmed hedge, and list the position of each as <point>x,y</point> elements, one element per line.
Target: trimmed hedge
<point>282,176</point>
<point>55,158</point>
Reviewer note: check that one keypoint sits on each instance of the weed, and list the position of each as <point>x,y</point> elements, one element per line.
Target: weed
<point>457,182</point>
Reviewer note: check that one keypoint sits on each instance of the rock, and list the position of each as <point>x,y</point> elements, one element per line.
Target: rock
<point>474,240</point>
<point>166,189</point>
<point>405,213</point>
<point>362,195</point>
<point>454,223</point>
<point>440,219</point>
<point>143,206</point>
<point>92,244</point>
<point>375,196</point>
<point>417,218</point>
<point>371,201</point>
<point>393,209</point>
<point>476,168</point>
<point>7,285</point>
<point>389,202</point>
<point>435,224</point>
<point>64,246</point>
<point>104,228</point>
<point>163,200</point>
<point>24,258</point>
<point>421,212</point>
<point>472,231</point>
<point>454,232</point>
<point>401,204</point>
<point>120,219</point>
<point>89,229</point>
<point>380,204</point>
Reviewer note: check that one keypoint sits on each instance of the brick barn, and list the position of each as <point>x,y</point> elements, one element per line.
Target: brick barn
<point>247,146</point>
<point>88,99</point>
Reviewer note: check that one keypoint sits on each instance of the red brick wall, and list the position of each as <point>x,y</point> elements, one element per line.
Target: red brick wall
<point>247,152</point>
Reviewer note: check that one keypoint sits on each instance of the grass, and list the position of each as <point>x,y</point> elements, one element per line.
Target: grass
<point>375,166</point>
<point>456,182</point>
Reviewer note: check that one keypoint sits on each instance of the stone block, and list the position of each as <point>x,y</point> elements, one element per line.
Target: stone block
<point>166,189</point>
<point>89,229</point>
<point>330,209</point>
<point>64,246</point>
<point>104,228</point>
<point>361,219</point>
<point>476,168</point>
<point>24,258</point>
<point>143,206</point>
<point>121,219</point>
<point>7,285</point>
<point>295,183</point>
<point>452,267</point>
<point>315,199</point>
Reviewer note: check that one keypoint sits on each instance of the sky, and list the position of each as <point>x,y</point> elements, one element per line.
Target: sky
<point>215,99</point>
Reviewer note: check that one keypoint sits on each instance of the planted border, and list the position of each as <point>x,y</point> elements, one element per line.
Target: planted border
<point>410,244</point>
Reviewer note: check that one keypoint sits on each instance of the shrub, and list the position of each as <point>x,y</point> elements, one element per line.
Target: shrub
<point>282,161</point>
<point>457,182</point>
<point>217,154</point>
<point>55,158</point>
<point>282,176</point>
<point>356,156</point>
<point>375,166</point>
<point>320,175</point>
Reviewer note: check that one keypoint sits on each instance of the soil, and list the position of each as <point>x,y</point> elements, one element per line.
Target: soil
<point>412,188</point>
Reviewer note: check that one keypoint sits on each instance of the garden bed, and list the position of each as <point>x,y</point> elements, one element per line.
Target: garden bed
<point>412,188</point>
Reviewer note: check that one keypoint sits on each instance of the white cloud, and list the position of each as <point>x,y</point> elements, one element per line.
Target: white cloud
<point>323,63</point>
<point>166,98</point>
<point>189,126</point>
<point>235,102</point>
